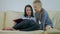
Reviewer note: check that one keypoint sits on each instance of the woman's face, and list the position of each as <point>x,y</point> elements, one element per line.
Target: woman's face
<point>36,7</point>
<point>28,11</point>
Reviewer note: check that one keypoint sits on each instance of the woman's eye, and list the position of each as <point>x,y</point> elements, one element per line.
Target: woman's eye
<point>27,10</point>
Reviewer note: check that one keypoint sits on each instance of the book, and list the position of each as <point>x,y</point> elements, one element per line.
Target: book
<point>18,20</point>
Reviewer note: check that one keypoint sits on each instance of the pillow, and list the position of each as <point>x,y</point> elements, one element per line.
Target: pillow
<point>10,16</point>
<point>2,19</point>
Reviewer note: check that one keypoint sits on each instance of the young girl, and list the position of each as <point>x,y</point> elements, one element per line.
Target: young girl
<point>42,16</point>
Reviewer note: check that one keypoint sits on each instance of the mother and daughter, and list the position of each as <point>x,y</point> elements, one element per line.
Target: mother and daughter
<point>38,21</point>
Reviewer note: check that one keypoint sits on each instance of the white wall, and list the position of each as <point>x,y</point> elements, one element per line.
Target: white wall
<point>18,5</point>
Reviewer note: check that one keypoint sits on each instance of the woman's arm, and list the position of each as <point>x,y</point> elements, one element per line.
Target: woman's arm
<point>44,17</point>
<point>46,20</point>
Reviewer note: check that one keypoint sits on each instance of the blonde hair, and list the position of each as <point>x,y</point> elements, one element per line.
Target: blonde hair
<point>38,2</point>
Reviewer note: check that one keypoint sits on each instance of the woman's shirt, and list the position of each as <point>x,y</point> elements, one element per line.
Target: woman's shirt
<point>45,19</point>
<point>30,18</point>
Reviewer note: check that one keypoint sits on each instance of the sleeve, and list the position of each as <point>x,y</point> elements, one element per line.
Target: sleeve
<point>36,17</point>
<point>44,17</point>
<point>49,22</point>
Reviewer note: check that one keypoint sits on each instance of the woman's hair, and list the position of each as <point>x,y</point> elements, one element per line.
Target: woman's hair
<point>25,14</point>
<point>38,2</point>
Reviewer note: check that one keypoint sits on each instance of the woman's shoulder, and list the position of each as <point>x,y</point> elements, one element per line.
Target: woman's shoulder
<point>22,17</point>
<point>45,12</point>
<point>32,17</point>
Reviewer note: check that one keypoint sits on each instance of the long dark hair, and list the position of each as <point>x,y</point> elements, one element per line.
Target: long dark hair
<point>25,14</point>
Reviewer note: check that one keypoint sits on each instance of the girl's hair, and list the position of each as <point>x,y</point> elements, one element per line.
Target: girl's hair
<point>38,2</point>
<point>25,14</point>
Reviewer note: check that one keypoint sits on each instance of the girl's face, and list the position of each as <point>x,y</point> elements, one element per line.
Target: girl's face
<point>28,11</point>
<point>36,7</point>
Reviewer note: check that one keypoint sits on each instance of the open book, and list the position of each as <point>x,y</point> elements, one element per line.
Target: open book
<point>19,20</point>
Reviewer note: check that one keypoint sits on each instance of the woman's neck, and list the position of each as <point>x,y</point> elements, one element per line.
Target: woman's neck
<point>29,16</point>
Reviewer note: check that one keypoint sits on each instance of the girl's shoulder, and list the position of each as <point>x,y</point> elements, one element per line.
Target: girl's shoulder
<point>45,12</point>
<point>22,17</point>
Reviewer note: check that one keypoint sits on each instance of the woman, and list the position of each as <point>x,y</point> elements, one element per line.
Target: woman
<point>42,16</point>
<point>28,13</point>
<point>28,23</point>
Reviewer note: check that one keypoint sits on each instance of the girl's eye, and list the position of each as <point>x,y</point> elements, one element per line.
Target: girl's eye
<point>28,10</point>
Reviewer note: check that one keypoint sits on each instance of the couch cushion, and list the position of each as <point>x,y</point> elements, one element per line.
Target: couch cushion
<point>55,16</point>
<point>10,16</point>
<point>51,16</point>
<point>57,20</point>
<point>1,19</point>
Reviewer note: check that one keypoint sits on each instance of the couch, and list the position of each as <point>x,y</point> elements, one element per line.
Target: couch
<point>7,17</point>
